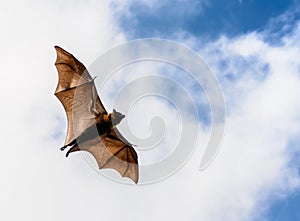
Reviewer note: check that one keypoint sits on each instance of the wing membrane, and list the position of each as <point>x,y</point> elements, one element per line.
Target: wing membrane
<point>111,152</point>
<point>77,93</point>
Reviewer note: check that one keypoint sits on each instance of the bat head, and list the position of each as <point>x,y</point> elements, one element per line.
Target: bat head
<point>116,117</point>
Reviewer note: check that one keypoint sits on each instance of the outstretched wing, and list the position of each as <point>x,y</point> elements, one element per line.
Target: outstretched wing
<point>112,151</point>
<point>125,159</point>
<point>77,93</point>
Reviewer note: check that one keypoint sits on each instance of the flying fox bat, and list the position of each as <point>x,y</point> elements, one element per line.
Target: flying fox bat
<point>90,127</point>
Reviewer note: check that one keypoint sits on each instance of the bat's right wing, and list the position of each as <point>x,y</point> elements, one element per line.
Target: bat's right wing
<point>123,157</point>
<point>77,93</point>
<point>112,151</point>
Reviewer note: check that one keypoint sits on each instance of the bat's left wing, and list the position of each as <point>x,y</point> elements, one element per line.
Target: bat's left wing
<point>77,93</point>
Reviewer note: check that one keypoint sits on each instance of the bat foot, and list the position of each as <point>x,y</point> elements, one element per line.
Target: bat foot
<point>63,148</point>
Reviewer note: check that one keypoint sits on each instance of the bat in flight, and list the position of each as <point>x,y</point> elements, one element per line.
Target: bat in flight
<point>90,127</point>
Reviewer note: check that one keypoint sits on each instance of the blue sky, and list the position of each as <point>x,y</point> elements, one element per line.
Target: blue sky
<point>209,20</point>
<point>201,18</point>
<point>286,209</point>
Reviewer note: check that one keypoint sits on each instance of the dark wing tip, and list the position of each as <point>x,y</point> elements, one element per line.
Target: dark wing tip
<point>57,48</point>
<point>61,50</point>
<point>135,179</point>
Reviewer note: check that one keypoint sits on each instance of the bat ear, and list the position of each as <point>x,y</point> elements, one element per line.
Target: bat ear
<point>114,111</point>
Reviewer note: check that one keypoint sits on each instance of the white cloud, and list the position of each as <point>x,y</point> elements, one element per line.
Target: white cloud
<point>39,183</point>
<point>263,116</point>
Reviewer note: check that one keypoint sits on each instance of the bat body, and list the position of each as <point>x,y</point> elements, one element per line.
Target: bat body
<point>90,127</point>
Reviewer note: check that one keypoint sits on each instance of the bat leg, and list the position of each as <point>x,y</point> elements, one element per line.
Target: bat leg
<point>64,147</point>
<point>73,142</point>
<point>73,149</point>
